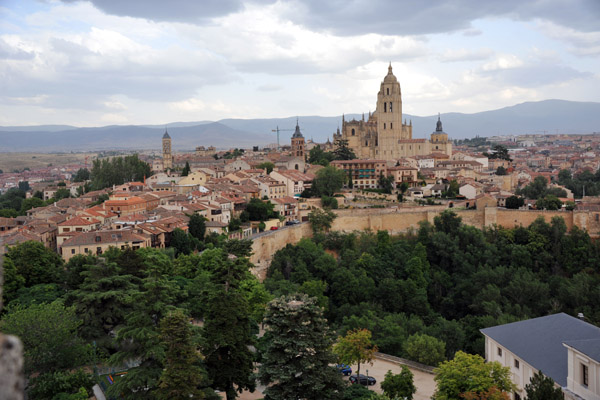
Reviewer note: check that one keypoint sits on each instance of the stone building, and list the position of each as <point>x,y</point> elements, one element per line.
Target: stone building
<point>166,148</point>
<point>298,144</point>
<point>384,135</point>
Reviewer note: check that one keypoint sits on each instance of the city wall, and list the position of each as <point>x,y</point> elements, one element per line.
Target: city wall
<point>401,220</point>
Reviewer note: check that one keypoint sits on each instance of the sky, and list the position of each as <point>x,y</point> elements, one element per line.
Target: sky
<point>118,62</point>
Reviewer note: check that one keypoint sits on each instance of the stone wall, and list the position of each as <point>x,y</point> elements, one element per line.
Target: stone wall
<point>399,220</point>
<point>265,246</point>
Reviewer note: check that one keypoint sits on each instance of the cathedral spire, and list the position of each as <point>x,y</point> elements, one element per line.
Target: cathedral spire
<point>390,68</point>
<point>438,126</point>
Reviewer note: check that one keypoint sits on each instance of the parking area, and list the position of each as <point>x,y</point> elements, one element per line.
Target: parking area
<point>423,380</point>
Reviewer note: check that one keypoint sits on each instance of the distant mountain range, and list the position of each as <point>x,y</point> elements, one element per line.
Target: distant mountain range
<point>549,116</point>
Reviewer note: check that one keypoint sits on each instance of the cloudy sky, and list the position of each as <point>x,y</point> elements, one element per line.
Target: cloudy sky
<point>101,62</point>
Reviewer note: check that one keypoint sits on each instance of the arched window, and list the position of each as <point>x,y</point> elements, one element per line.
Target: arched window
<point>390,106</point>
<point>353,132</point>
<point>388,91</point>
<point>296,166</point>
<point>384,107</point>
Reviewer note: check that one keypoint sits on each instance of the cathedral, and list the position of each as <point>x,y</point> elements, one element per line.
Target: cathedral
<point>384,135</point>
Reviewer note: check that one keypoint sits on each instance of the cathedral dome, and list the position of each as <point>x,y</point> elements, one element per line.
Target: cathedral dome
<point>390,77</point>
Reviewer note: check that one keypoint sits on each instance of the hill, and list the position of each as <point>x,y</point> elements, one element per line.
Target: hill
<point>549,116</point>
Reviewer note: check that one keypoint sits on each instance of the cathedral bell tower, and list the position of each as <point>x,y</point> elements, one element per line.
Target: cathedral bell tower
<point>389,115</point>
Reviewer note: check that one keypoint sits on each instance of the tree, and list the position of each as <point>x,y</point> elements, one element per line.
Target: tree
<point>425,349</point>
<point>329,202</point>
<point>328,181</point>
<point>492,393</point>
<point>501,171</point>
<point>549,202</point>
<point>197,226</point>
<point>514,202</point>
<point>24,186</point>
<point>102,300</point>
<point>181,242</point>
<point>118,170</point>
<point>49,336</point>
<point>542,388</point>
<point>470,373</point>
<point>355,348</point>
<point>182,374</point>
<point>32,202</point>
<point>297,361</point>
<point>403,188</point>
<point>269,166</point>
<point>82,175</point>
<point>186,170</point>
<point>62,193</point>
<point>317,155</point>
<point>343,151</point>
<point>57,385</point>
<point>139,337</point>
<point>452,190</point>
<point>36,263</point>
<point>498,152</point>
<point>386,183</point>
<point>227,333</point>
<point>259,210</point>
<point>321,220</point>
<point>400,385</point>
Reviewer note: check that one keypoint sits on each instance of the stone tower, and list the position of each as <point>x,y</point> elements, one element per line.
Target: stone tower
<point>298,144</point>
<point>383,135</point>
<point>166,148</point>
<point>439,139</point>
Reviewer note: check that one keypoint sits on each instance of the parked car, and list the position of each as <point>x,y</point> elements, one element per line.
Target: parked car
<point>274,228</point>
<point>363,379</point>
<point>344,369</point>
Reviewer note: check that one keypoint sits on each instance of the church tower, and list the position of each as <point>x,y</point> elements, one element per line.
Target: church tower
<point>298,144</point>
<point>389,117</point>
<point>166,148</point>
<point>439,139</point>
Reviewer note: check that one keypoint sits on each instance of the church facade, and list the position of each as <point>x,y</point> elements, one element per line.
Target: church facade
<point>384,135</point>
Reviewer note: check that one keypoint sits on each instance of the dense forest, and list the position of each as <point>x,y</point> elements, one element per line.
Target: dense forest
<point>447,280</point>
<point>423,295</point>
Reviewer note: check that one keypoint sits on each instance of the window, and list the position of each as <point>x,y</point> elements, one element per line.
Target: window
<point>584,375</point>
<point>353,132</point>
<point>391,125</point>
<point>516,364</point>
<point>85,250</point>
<point>517,396</point>
<point>390,106</point>
<point>384,107</point>
<point>384,125</point>
<point>499,351</point>
<point>388,91</point>
<point>72,251</point>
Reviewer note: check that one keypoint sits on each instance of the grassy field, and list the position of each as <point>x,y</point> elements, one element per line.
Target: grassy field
<point>13,161</point>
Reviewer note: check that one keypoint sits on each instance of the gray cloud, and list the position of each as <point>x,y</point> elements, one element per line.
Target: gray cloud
<point>170,10</point>
<point>531,76</point>
<point>410,17</point>
<point>8,52</point>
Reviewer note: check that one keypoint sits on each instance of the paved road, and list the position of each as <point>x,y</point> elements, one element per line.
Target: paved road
<point>423,381</point>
